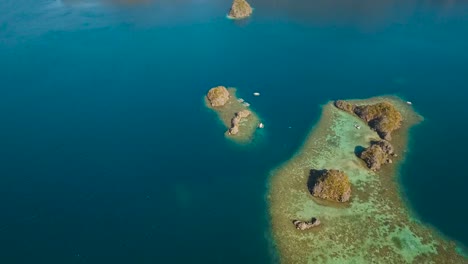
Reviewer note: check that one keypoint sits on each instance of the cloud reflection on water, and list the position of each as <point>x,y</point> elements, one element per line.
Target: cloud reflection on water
<point>39,16</point>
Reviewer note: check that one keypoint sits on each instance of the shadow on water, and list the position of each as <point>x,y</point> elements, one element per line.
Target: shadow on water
<point>314,175</point>
<point>358,150</point>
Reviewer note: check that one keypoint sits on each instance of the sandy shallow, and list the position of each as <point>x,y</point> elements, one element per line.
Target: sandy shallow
<point>375,226</point>
<point>247,127</point>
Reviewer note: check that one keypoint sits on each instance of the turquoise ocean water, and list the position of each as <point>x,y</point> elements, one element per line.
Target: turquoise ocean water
<point>108,155</point>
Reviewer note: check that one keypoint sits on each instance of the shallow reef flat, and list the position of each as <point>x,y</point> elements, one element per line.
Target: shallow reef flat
<point>375,226</point>
<point>226,112</point>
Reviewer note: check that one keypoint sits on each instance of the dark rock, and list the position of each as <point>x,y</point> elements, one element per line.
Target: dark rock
<point>236,121</point>
<point>218,96</point>
<point>240,9</point>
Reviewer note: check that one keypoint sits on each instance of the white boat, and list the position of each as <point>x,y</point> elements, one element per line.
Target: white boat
<point>261,125</point>
<point>408,102</point>
<point>246,104</point>
<point>256,94</point>
<point>240,100</point>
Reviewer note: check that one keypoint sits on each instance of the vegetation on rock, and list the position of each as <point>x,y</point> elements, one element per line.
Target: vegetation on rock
<point>218,96</point>
<point>345,106</point>
<point>383,117</point>
<point>330,185</point>
<point>240,9</point>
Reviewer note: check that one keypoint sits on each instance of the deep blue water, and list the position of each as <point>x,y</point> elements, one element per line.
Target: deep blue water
<point>108,155</point>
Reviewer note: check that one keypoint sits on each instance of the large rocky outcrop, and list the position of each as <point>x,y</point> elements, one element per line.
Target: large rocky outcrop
<point>236,121</point>
<point>377,154</point>
<point>218,96</point>
<point>383,117</point>
<point>330,185</point>
<point>304,225</point>
<point>240,9</point>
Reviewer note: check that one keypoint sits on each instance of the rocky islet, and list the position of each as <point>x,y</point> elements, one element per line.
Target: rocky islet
<point>332,185</point>
<point>240,9</point>
<point>236,120</point>
<point>377,154</point>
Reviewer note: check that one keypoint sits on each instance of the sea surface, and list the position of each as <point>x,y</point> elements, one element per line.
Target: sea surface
<point>109,155</point>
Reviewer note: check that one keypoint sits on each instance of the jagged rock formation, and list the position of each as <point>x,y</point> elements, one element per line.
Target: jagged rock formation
<point>345,106</point>
<point>218,96</point>
<point>377,154</point>
<point>330,185</point>
<point>383,117</point>
<point>236,121</point>
<point>240,9</point>
<point>304,225</point>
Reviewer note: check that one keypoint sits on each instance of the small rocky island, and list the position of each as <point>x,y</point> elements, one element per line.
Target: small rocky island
<point>240,9</point>
<point>241,122</point>
<point>332,185</point>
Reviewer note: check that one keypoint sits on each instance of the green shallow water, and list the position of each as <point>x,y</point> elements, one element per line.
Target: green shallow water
<point>375,226</point>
